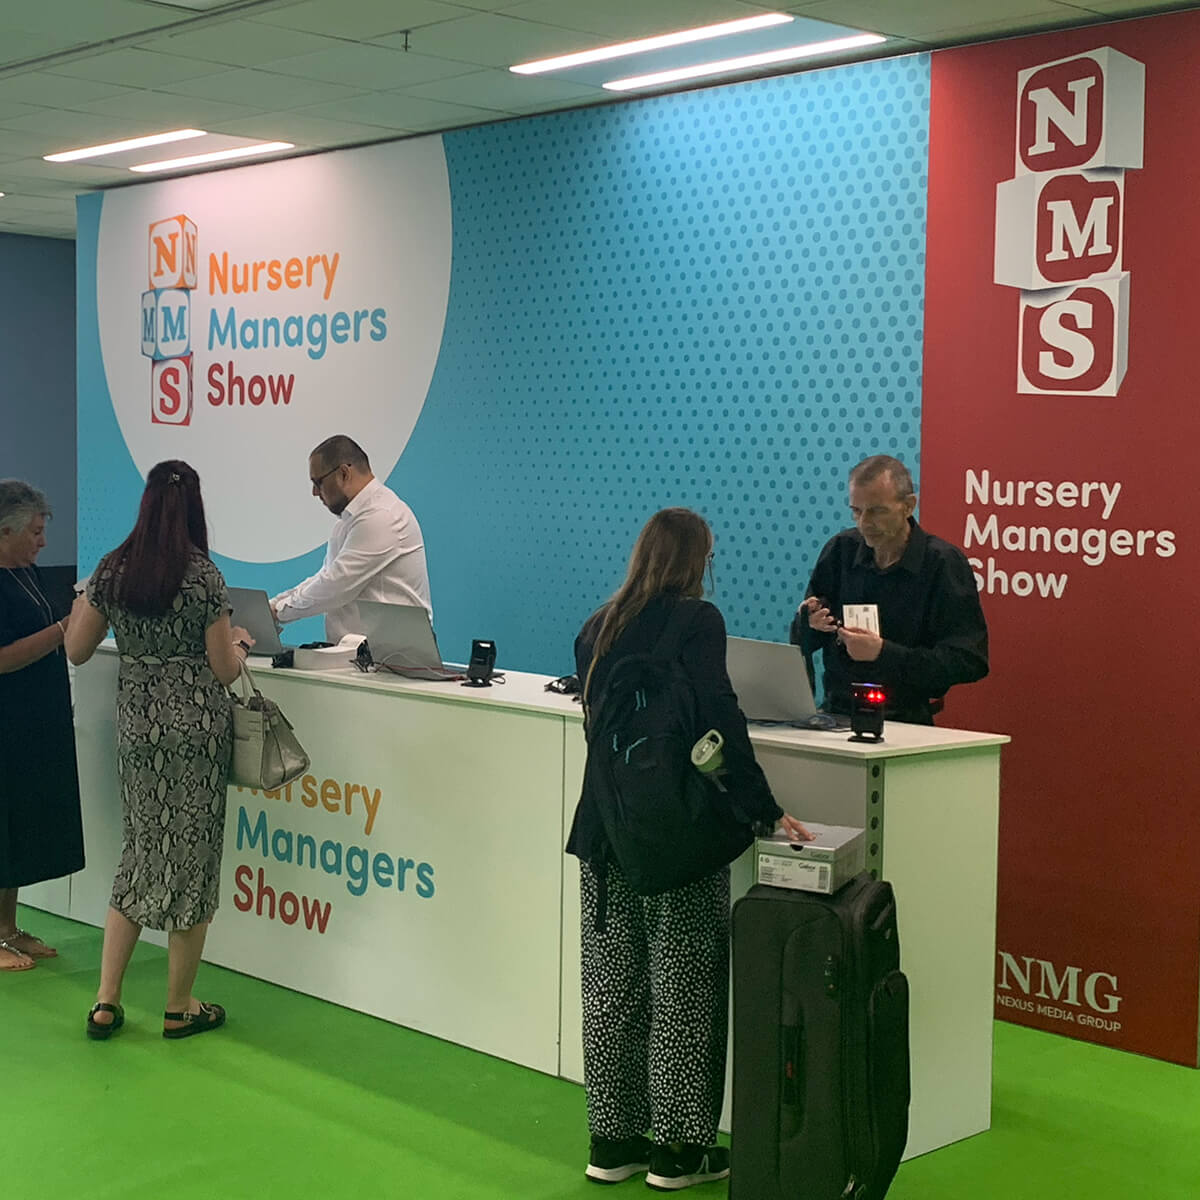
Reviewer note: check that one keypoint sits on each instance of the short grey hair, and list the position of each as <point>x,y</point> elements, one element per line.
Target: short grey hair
<point>20,502</point>
<point>871,468</point>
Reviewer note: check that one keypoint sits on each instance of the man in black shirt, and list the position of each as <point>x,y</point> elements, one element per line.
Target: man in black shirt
<point>930,629</point>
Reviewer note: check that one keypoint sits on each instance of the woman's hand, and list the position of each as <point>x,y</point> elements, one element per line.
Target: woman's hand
<point>242,635</point>
<point>794,829</point>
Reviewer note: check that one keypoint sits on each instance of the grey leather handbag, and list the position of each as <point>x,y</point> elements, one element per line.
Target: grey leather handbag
<point>266,752</point>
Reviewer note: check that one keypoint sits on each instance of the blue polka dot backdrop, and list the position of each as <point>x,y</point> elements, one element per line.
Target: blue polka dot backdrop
<point>710,299</point>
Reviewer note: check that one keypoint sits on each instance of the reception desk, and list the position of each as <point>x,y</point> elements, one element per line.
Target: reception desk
<point>416,872</point>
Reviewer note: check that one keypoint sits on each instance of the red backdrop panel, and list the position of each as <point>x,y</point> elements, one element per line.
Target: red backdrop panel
<point>1099,905</point>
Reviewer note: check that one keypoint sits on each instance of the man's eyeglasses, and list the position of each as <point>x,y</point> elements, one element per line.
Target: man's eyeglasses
<point>320,479</point>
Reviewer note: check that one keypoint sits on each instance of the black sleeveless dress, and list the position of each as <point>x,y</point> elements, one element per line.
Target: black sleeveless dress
<point>41,833</point>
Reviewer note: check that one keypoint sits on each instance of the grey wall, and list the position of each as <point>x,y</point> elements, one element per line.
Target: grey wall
<point>37,378</point>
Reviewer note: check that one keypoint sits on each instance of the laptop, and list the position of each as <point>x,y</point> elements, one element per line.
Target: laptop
<point>252,611</point>
<point>401,639</point>
<point>771,682</point>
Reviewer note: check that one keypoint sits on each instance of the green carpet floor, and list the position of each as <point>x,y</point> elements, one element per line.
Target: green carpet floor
<point>297,1098</point>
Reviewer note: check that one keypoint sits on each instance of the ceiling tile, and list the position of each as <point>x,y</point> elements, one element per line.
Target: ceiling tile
<point>260,89</point>
<point>37,176</point>
<point>394,110</point>
<point>135,68</point>
<point>240,43</point>
<point>165,110</point>
<point>304,129</point>
<point>361,20</point>
<point>56,91</point>
<point>504,91</point>
<point>12,109</point>
<point>924,19</point>
<point>57,125</point>
<point>18,46</point>
<point>377,68</point>
<point>1028,23</point>
<point>494,41</point>
<point>92,20</point>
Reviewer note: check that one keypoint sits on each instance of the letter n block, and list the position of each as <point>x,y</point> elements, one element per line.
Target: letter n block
<point>171,391</point>
<point>173,246</point>
<point>1081,113</point>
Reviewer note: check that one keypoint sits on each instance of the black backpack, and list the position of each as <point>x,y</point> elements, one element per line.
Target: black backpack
<point>667,824</point>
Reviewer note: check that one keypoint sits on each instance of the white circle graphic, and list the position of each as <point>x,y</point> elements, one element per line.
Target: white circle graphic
<point>316,307</point>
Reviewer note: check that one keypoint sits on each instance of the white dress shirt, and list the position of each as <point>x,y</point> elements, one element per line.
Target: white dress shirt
<point>376,552</point>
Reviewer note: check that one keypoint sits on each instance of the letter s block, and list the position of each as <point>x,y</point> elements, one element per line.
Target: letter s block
<point>1074,341</point>
<point>172,254</point>
<point>166,323</point>
<point>171,391</point>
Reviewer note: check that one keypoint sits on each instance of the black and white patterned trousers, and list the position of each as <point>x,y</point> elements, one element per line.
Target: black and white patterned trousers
<point>655,1008</point>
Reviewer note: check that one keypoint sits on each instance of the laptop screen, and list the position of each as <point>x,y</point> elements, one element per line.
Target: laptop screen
<point>252,611</point>
<point>770,679</point>
<point>400,638</point>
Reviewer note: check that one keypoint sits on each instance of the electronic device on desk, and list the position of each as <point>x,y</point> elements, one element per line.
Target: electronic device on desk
<point>480,668</point>
<point>772,685</point>
<point>400,639</point>
<point>866,712</point>
<point>252,611</point>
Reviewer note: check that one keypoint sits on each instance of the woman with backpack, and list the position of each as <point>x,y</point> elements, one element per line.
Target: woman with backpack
<point>655,894</point>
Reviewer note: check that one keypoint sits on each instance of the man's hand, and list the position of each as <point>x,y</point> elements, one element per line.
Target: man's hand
<point>794,829</point>
<point>861,644</point>
<point>819,616</point>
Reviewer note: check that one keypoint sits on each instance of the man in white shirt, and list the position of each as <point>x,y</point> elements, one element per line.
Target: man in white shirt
<point>376,551</point>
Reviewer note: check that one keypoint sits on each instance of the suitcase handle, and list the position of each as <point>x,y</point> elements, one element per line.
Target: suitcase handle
<point>793,1070</point>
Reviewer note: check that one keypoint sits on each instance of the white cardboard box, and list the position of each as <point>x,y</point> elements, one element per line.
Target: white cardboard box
<point>836,855</point>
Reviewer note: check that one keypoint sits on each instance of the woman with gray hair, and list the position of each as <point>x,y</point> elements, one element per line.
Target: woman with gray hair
<point>41,832</point>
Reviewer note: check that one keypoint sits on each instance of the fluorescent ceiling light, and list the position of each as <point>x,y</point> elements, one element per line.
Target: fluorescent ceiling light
<point>153,139</point>
<point>747,61</point>
<point>171,164</point>
<point>661,41</point>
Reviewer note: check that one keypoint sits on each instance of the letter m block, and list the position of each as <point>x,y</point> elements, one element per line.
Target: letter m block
<point>1057,229</point>
<point>173,253</point>
<point>166,323</point>
<point>1080,113</point>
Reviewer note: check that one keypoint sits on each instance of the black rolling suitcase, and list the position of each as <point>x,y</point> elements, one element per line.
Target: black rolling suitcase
<point>820,1044</point>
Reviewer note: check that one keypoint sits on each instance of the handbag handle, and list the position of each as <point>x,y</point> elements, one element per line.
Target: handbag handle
<point>247,684</point>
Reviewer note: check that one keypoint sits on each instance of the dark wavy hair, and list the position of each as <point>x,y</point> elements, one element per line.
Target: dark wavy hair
<point>143,574</point>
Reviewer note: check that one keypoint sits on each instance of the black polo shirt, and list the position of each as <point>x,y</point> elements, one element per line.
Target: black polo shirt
<point>930,618</point>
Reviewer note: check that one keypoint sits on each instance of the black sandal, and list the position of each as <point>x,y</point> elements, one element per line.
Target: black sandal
<point>210,1016</point>
<point>100,1030</point>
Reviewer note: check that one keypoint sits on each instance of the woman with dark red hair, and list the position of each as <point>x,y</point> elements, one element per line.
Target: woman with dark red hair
<point>169,611</point>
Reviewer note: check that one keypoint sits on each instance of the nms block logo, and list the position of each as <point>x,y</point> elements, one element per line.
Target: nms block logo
<point>167,319</point>
<point>1060,221</point>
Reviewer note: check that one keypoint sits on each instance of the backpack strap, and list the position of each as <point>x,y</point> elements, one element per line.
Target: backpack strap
<point>678,623</point>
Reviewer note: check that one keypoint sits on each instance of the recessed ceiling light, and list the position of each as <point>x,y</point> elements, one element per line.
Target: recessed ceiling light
<point>194,160</point>
<point>659,42</point>
<point>746,62</point>
<point>153,139</point>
